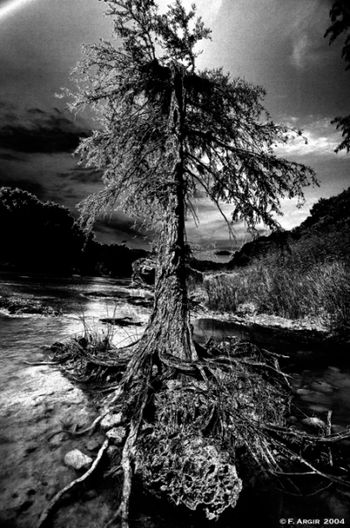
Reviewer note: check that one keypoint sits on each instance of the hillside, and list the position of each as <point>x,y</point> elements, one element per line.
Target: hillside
<point>323,236</point>
<point>298,274</point>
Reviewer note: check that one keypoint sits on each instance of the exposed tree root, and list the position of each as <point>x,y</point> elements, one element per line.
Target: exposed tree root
<point>40,363</point>
<point>53,503</point>
<point>231,396</point>
<point>91,427</point>
<point>127,467</point>
<point>68,431</point>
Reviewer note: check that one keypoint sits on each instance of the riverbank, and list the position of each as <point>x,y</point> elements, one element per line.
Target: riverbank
<point>39,408</point>
<point>38,401</point>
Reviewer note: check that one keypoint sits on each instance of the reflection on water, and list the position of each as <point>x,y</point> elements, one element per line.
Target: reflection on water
<point>83,302</point>
<point>319,389</point>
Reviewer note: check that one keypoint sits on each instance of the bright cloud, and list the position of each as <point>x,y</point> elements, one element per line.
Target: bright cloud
<point>305,31</point>
<point>11,6</point>
<point>300,51</point>
<point>321,139</point>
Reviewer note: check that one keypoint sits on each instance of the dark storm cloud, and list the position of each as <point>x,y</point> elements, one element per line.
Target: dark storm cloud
<point>37,131</point>
<point>82,175</point>
<point>117,223</point>
<point>118,228</point>
<point>10,157</point>
<point>23,184</point>
<point>277,44</point>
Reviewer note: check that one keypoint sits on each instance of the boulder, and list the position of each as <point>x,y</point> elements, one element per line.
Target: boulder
<point>77,460</point>
<point>116,435</point>
<point>111,420</point>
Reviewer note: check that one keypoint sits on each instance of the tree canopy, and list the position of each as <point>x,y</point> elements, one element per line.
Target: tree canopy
<point>226,138</point>
<point>340,26</point>
<point>36,235</point>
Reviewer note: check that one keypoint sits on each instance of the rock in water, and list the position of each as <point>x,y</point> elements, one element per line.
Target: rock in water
<point>116,435</point>
<point>77,460</point>
<point>111,420</point>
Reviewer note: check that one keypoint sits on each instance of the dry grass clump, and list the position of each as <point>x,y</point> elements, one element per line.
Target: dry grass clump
<point>91,359</point>
<point>285,289</point>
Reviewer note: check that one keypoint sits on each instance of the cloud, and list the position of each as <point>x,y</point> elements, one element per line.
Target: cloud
<point>24,184</point>
<point>306,29</point>
<point>10,157</point>
<point>321,138</point>
<point>119,228</point>
<point>300,51</point>
<point>82,175</point>
<point>36,130</point>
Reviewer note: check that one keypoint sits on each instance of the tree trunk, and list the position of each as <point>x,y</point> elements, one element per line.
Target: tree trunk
<point>168,332</point>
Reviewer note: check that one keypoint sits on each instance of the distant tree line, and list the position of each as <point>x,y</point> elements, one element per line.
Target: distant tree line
<point>44,237</point>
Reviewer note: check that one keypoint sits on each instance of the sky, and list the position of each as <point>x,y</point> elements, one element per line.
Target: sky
<point>278,44</point>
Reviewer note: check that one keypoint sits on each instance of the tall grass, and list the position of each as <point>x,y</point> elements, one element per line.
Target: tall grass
<point>281,286</point>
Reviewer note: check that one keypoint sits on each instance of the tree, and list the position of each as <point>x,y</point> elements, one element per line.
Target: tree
<point>36,235</point>
<point>166,132</point>
<point>340,24</point>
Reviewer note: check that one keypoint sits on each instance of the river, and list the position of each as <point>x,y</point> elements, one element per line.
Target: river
<point>83,302</point>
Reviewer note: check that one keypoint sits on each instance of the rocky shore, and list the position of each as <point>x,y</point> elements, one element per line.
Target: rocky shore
<point>41,412</point>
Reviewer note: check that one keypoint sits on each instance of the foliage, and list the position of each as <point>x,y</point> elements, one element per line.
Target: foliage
<point>225,141</point>
<point>88,358</point>
<point>323,236</point>
<point>328,212</point>
<point>340,24</point>
<point>294,274</point>
<point>37,235</point>
<point>40,236</point>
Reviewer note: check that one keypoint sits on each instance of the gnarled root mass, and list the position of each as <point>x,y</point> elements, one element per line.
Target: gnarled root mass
<point>196,427</point>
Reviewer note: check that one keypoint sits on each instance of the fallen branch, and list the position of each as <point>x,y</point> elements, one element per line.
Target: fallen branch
<point>45,514</point>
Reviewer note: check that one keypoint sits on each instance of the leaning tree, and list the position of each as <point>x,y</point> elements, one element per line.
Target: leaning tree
<point>167,132</point>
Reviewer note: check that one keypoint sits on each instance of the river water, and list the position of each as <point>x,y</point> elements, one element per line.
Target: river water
<point>83,302</point>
